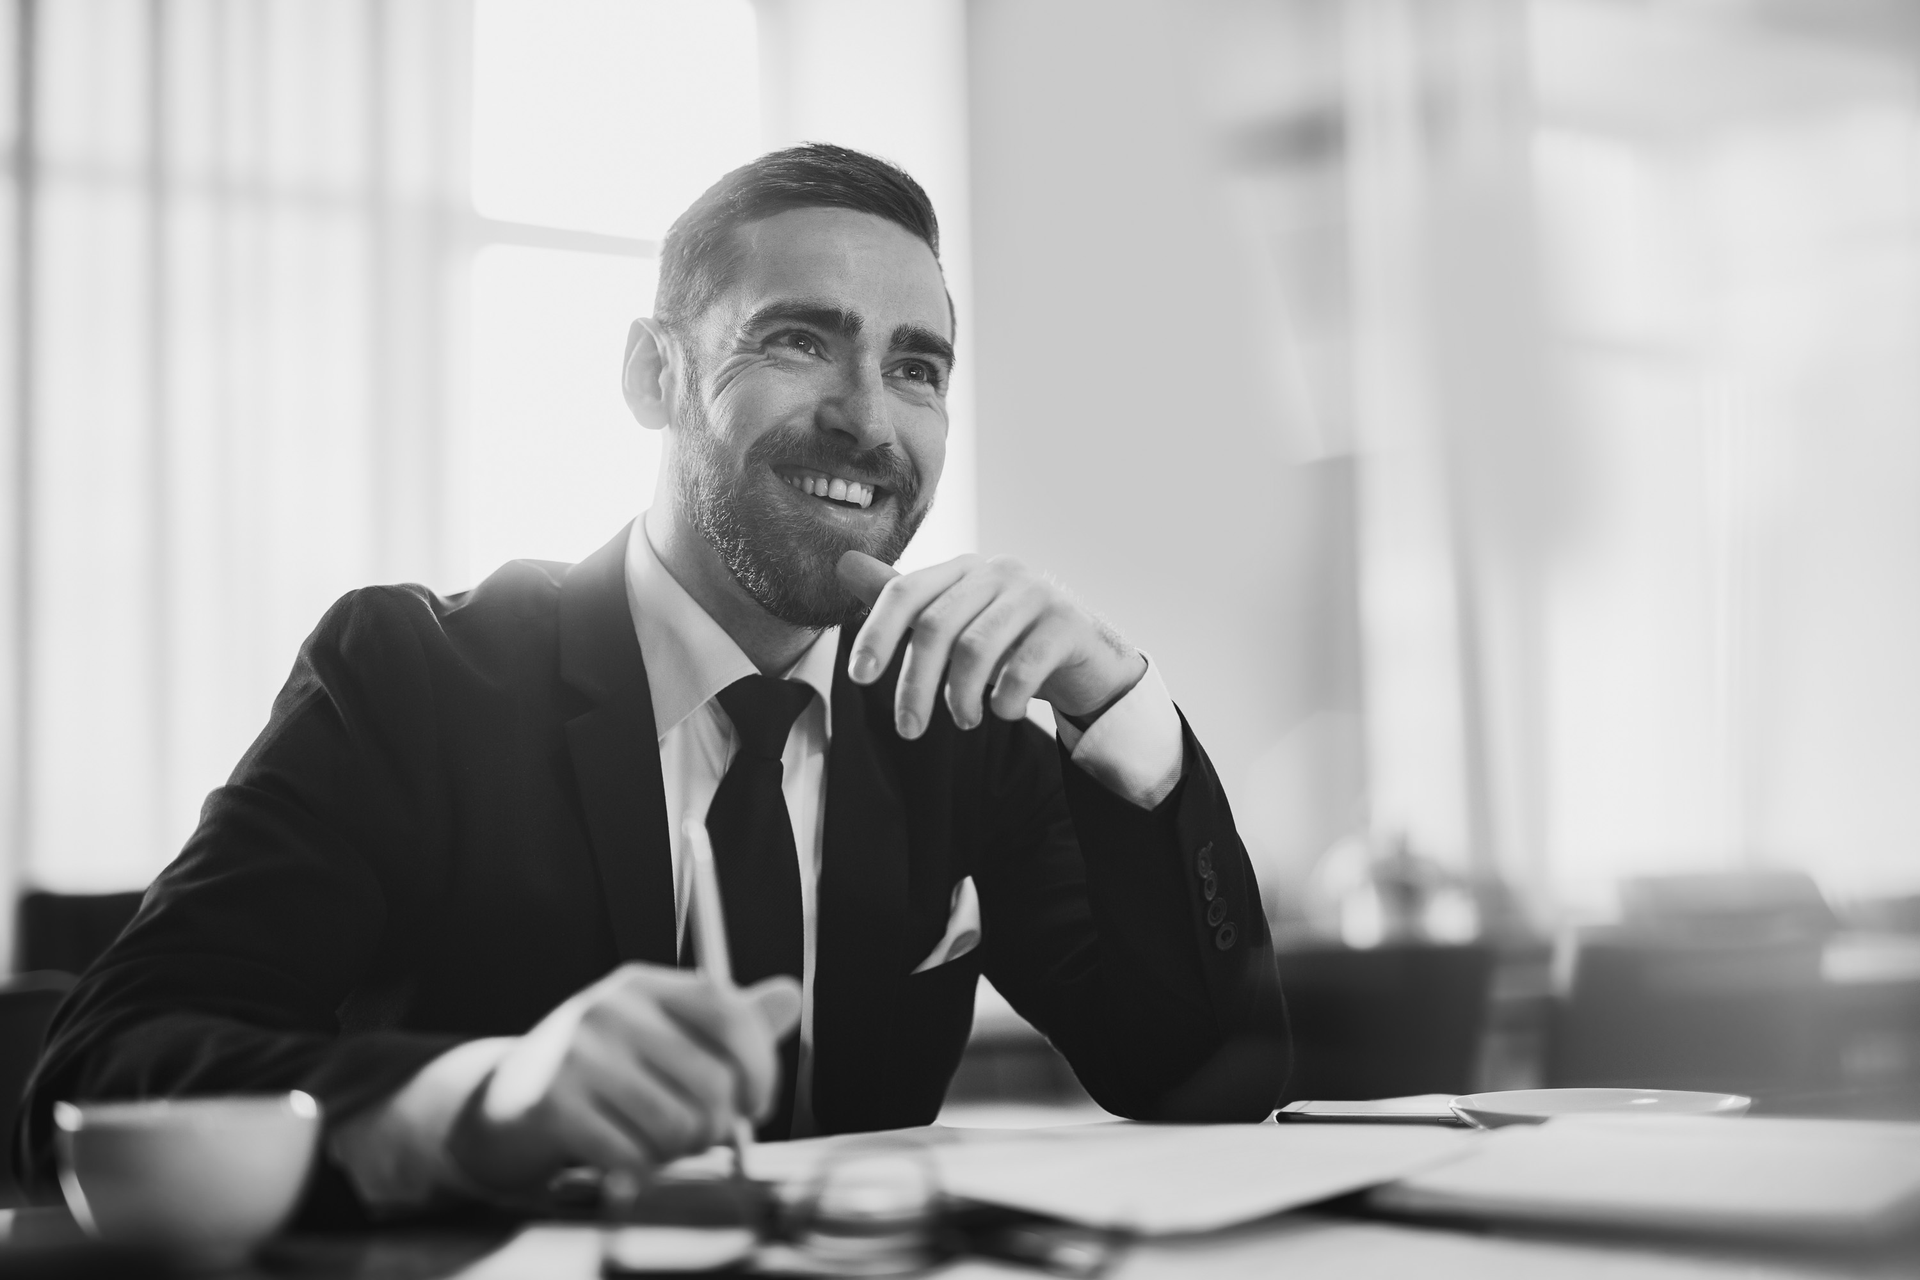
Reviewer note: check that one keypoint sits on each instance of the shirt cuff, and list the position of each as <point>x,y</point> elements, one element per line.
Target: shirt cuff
<point>396,1153</point>
<point>1134,749</point>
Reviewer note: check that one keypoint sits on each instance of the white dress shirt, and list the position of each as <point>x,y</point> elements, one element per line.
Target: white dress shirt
<point>689,660</point>
<point>395,1152</point>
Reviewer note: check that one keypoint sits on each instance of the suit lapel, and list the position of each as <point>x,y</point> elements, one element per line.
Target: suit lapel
<point>860,950</point>
<point>616,755</point>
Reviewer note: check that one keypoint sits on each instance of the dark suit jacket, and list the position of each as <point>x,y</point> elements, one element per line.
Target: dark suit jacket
<point>455,819</point>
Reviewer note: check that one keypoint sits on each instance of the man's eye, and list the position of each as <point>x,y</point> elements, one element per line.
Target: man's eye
<point>915,371</point>
<point>800,342</point>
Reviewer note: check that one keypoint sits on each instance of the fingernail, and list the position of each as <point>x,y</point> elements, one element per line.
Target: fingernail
<point>865,666</point>
<point>909,725</point>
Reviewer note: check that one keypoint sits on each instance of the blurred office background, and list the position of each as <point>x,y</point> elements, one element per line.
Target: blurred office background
<point>1500,418</point>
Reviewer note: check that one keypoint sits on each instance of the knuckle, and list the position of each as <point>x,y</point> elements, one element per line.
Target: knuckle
<point>893,590</point>
<point>934,632</point>
<point>634,977</point>
<point>1012,566</point>
<point>1021,668</point>
<point>934,625</point>
<point>599,1016</point>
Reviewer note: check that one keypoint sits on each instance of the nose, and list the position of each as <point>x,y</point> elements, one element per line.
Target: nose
<point>859,408</point>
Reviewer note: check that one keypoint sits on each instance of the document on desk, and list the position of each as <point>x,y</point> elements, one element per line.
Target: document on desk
<point>1170,1179</point>
<point>1757,1176</point>
<point>1141,1178</point>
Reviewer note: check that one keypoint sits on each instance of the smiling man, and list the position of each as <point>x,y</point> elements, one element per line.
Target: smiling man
<point>446,890</point>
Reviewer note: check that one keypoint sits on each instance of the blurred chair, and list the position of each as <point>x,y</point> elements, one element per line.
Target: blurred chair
<point>27,1003</point>
<point>1898,913</point>
<point>1751,906</point>
<point>1649,1010</point>
<point>1385,1021</point>
<point>1713,981</point>
<point>68,931</point>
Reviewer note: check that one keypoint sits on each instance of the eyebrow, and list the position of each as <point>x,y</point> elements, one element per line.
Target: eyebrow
<point>922,342</point>
<point>835,320</point>
<point>842,323</point>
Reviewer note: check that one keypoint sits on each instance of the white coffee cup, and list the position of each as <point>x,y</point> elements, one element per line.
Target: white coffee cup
<point>205,1179</point>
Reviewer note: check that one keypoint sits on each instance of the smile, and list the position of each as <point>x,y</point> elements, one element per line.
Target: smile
<point>837,489</point>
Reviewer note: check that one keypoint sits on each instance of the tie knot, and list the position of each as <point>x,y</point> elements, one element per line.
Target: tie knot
<point>763,709</point>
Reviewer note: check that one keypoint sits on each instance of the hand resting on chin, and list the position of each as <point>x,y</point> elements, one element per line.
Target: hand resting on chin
<point>995,631</point>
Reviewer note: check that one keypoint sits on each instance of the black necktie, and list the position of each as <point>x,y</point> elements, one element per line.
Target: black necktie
<point>754,855</point>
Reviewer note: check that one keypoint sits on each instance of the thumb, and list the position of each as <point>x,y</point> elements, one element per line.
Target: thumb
<point>778,1000</point>
<point>864,576</point>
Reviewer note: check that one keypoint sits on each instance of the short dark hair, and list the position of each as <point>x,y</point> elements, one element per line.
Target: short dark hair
<point>697,258</point>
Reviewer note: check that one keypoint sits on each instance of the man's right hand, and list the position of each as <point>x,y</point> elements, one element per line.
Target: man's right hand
<point>646,1065</point>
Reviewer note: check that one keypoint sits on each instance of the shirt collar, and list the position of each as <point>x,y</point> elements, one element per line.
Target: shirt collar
<point>689,658</point>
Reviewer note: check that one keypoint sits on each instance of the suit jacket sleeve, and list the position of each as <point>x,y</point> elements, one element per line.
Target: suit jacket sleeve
<point>1134,939</point>
<point>257,960</point>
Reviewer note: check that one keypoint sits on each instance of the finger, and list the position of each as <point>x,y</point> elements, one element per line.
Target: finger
<point>638,1028</point>
<point>984,645</point>
<point>648,1109</point>
<point>1039,653</point>
<point>778,1000</point>
<point>896,610</point>
<point>864,576</point>
<point>588,1135</point>
<point>733,1030</point>
<point>707,1009</point>
<point>928,652</point>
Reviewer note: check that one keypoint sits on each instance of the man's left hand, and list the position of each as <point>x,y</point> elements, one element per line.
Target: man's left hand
<point>997,632</point>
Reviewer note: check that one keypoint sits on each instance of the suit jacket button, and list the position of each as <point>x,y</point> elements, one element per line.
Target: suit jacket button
<point>1217,912</point>
<point>1203,860</point>
<point>1224,938</point>
<point>1210,886</point>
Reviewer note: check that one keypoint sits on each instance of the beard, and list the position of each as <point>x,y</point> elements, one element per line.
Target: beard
<point>782,559</point>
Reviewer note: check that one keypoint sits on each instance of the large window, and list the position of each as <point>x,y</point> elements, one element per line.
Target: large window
<point>1600,318</point>
<point>304,296</point>
<point>594,123</point>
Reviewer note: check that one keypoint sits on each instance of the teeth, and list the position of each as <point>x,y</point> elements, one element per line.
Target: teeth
<point>835,488</point>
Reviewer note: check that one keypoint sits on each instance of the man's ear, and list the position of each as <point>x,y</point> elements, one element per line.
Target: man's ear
<point>645,374</point>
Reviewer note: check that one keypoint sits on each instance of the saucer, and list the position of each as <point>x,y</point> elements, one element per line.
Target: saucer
<point>1537,1106</point>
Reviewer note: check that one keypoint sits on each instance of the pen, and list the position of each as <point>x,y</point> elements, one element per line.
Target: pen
<point>710,949</point>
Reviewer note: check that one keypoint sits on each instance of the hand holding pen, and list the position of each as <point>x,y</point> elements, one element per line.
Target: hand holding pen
<point>646,1065</point>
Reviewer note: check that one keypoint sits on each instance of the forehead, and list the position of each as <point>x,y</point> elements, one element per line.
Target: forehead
<point>843,258</point>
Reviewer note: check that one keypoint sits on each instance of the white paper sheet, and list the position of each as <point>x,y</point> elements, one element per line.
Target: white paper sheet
<point>1168,1179</point>
<point>1149,1179</point>
<point>1752,1176</point>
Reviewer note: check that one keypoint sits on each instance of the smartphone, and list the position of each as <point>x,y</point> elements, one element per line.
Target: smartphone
<point>1420,1108</point>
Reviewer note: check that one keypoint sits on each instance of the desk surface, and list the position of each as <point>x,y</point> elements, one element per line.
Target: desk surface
<point>1300,1246</point>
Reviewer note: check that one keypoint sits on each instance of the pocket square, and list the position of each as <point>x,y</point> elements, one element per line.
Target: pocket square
<point>963,928</point>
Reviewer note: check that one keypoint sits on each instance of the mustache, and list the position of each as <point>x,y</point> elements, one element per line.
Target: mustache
<point>881,465</point>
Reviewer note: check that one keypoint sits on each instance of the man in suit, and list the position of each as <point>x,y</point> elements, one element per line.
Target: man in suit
<point>445,891</point>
